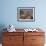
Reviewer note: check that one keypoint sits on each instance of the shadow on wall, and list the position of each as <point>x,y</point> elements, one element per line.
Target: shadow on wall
<point>2,26</point>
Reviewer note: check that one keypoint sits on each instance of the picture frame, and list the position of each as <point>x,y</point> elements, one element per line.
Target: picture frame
<point>26,14</point>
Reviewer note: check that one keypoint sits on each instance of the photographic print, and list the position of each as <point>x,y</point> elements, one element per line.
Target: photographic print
<point>26,14</point>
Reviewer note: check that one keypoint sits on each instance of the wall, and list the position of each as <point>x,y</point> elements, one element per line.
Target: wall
<point>9,13</point>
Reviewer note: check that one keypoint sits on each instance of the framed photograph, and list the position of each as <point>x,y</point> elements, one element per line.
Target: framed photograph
<point>26,14</point>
